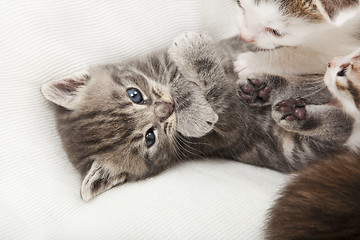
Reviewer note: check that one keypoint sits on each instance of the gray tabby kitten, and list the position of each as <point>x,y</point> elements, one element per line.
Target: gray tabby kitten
<point>132,120</point>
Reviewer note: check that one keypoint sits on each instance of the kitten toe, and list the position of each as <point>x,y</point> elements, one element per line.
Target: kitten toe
<point>290,114</point>
<point>254,91</point>
<point>292,109</point>
<point>187,45</point>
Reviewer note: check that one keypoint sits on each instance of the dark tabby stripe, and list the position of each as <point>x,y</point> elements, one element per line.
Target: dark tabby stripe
<point>105,148</point>
<point>137,138</point>
<point>355,93</point>
<point>333,7</point>
<point>305,9</point>
<point>158,95</point>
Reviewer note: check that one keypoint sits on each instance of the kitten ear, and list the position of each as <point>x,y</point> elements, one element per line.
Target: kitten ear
<point>98,180</point>
<point>338,12</point>
<point>63,92</point>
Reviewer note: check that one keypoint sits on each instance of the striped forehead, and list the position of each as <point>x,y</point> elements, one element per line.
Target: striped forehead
<point>131,77</point>
<point>262,12</point>
<point>304,9</point>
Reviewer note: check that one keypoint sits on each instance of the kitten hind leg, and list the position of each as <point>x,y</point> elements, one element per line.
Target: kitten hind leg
<point>260,90</point>
<point>323,122</point>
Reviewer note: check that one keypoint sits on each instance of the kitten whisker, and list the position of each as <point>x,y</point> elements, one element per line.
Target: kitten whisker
<point>198,143</point>
<point>177,150</point>
<point>314,92</point>
<point>143,157</point>
<point>180,149</point>
<point>188,147</point>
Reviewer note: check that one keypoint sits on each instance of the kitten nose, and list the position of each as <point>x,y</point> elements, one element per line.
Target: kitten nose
<point>336,61</point>
<point>163,110</point>
<point>247,38</point>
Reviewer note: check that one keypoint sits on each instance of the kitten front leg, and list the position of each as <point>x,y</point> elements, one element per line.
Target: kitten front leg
<point>284,60</point>
<point>324,122</point>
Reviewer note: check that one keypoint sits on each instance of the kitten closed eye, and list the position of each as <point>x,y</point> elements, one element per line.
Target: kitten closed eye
<point>274,32</point>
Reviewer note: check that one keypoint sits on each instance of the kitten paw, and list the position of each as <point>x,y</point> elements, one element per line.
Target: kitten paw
<point>254,91</point>
<point>292,109</point>
<point>188,46</point>
<point>290,114</point>
<point>248,63</point>
<point>195,56</point>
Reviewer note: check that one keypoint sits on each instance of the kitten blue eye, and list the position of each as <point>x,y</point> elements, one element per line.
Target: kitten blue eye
<point>135,95</point>
<point>149,137</point>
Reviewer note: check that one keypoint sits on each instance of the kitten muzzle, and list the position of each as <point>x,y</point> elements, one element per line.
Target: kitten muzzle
<point>163,110</point>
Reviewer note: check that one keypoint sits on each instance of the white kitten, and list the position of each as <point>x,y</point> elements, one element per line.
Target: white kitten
<point>299,36</point>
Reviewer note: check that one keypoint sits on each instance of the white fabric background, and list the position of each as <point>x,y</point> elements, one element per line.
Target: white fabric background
<point>46,40</point>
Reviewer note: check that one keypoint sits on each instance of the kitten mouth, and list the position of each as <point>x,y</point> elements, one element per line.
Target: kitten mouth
<point>267,49</point>
<point>170,125</point>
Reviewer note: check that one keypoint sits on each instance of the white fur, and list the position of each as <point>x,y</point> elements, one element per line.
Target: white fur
<point>341,18</point>
<point>307,46</point>
<point>345,15</point>
<point>288,146</point>
<point>354,140</point>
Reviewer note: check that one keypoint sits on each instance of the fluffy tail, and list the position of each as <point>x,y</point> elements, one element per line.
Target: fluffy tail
<point>321,202</point>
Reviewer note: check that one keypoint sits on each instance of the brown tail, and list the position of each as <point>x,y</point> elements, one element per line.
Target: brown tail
<point>321,202</point>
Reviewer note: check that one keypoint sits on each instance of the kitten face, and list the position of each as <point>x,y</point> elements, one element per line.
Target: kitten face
<point>273,23</point>
<point>343,80</point>
<point>122,122</point>
<point>117,125</point>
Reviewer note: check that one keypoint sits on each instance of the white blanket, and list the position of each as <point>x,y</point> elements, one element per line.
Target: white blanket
<point>46,40</point>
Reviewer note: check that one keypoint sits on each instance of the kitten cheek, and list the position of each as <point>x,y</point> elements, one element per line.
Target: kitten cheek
<point>263,41</point>
<point>170,125</point>
<point>328,78</point>
<point>239,19</point>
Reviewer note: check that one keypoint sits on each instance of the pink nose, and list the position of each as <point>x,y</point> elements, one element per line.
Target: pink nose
<point>247,38</point>
<point>336,61</point>
<point>163,110</point>
<point>331,63</point>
